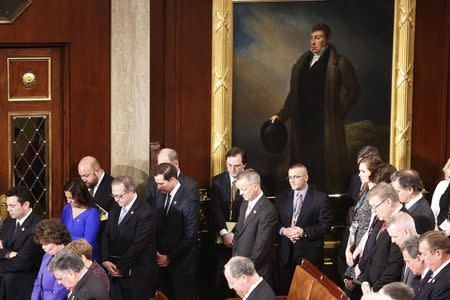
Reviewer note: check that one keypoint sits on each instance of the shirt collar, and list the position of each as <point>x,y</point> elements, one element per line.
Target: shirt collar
<point>129,205</point>
<point>252,203</point>
<point>98,183</point>
<point>413,201</point>
<point>24,218</point>
<point>321,51</point>
<point>440,268</point>
<point>175,190</point>
<point>254,285</point>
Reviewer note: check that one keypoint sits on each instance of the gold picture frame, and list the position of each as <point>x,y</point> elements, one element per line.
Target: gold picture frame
<point>401,82</point>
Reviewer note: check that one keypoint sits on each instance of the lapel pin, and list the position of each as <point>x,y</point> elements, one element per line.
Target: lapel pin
<point>132,212</point>
<point>23,229</point>
<point>174,202</point>
<point>254,211</point>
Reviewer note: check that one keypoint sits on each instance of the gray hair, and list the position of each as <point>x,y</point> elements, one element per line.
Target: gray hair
<point>383,191</point>
<point>402,220</point>
<point>127,182</point>
<point>66,261</point>
<point>250,175</point>
<point>398,291</point>
<point>239,265</point>
<point>411,246</point>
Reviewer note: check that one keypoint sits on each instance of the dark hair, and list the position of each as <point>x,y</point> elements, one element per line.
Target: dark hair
<point>165,169</point>
<point>51,231</point>
<point>65,261</point>
<point>404,172</point>
<point>324,28</point>
<point>300,166</point>
<point>366,151</point>
<point>237,151</point>
<point>410,181</point>
<point>382,173</point>
<point>372,162</point>
<point>22,193</point>
<point>80,192</point>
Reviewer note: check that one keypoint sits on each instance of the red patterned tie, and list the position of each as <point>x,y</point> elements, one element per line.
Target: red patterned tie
<point>298,207</point>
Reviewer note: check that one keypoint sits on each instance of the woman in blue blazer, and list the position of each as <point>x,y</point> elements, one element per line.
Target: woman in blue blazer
<point>53,236</point>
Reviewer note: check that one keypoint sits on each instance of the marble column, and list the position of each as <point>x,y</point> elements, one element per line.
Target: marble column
<point>130,89</point>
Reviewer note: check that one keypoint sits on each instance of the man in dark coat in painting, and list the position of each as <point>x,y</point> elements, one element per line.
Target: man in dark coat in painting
<point>317,111</point>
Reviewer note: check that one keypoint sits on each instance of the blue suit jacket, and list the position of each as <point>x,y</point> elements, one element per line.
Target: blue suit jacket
<point>46,287</point>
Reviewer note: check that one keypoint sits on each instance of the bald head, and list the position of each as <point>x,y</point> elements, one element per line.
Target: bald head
<point>167,155</point>
<point>401,226</point>
<point>89,170</point>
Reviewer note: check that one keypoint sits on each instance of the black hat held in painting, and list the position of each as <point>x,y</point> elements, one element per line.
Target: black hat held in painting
<point>274,136</point>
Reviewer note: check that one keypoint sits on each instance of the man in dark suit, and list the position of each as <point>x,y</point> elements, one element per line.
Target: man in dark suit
<point>434,248</point>
<point>304,218</point>
<point>383,259</point>
<point>129,244</point>
<point>225,203</point>
<point>70,271</point>
<point>167,155</point>
<point>242,277</point>
<point>97,181</point>
<point>20,256</point>
<point>256,226</point>
<point>409,187</point>
<point>178,212</point>
<point>415,265</point>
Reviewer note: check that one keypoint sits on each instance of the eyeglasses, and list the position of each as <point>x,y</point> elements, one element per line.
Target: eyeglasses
<point>376,206</point>
<point>117,197</point>
<point>295,177</point>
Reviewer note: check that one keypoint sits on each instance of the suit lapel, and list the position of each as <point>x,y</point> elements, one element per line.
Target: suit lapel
<point>305,205</point>
<point>129,214</point>
<point>22,228</point>
<point>253,212</point>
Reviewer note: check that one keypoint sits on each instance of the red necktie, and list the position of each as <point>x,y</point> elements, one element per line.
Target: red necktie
<point>382,229</point>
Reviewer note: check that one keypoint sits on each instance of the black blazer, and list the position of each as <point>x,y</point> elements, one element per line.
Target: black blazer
<point>438,288</point>
<point>410,279</point>
<point>262,291</point>
<point>18,273</point>
<point>219,202</point>
<point>89,288</point>
<point>423,216</point>
<point>151,190</point>
<point>384,262</point>
<point>103,194</point>
<point>315,218</point>
<point>254,236</point>
<point>177,231</point>
<point>131,245</point>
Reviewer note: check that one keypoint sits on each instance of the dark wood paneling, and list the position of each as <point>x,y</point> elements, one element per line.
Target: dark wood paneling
<point>180,105</point>
<point>82,29</point>
<point>430,93</point>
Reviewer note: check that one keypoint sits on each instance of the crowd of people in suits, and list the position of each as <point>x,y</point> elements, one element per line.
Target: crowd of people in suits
<point>111,243</point>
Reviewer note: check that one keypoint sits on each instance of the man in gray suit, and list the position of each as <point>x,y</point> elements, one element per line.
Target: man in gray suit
<point>242,277</point>
<point>255,229</point>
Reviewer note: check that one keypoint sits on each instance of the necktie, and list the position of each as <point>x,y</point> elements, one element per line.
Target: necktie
<point>15,229</point>
<point>382,229</point>
<point>167,204</point>
<point>91,191</point>
<point>233,197</point>
<point>123,212</point>
<point>298,207</point>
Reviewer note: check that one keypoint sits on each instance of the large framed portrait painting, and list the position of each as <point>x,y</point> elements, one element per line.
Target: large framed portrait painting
<point>263,67</point>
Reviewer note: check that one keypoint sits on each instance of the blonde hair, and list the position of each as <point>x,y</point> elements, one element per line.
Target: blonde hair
<point>80,247</point>
<point>446,166</point>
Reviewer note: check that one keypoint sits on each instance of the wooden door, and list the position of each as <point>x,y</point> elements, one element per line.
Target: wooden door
<point>31,130</point>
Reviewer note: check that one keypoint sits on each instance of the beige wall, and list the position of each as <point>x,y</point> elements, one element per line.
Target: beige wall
<point>130,88</point>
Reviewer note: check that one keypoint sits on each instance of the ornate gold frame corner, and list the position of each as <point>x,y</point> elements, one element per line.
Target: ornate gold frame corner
<point>401,94</point>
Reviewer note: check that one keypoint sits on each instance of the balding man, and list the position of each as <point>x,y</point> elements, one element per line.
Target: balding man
<point>256,226</point>
<point>167,155</point>
<point>400,228</point>
<point>97,181</point>
<point>409,188</point>
<point>382,260</point>
<point>434,248</point>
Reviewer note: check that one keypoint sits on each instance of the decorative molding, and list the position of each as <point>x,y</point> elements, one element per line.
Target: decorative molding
<point>402,83</point>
